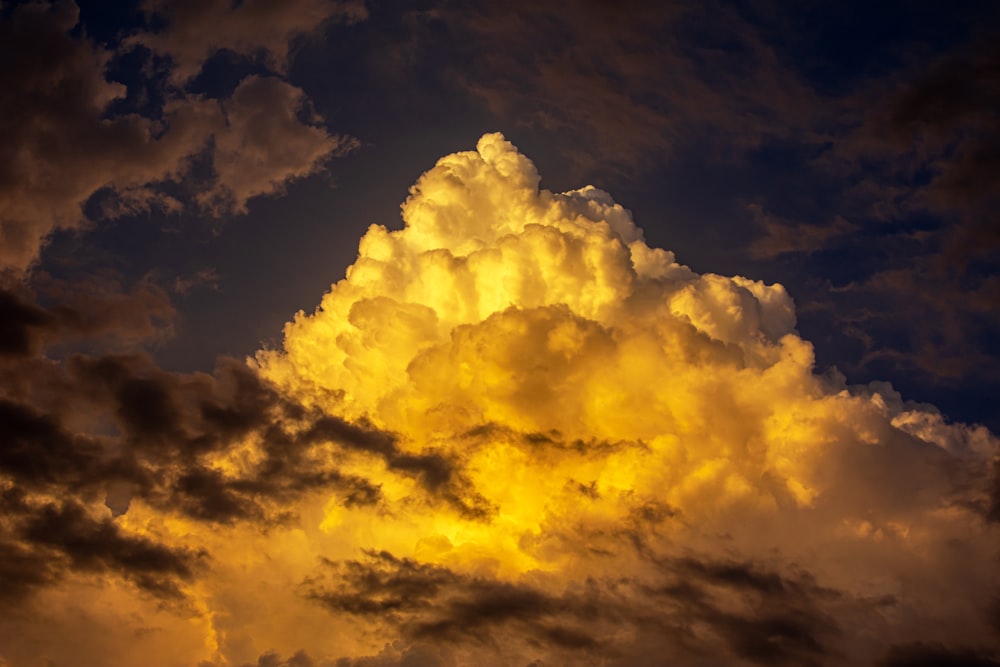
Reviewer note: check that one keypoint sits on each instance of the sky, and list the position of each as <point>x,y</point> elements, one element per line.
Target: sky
<point>338,333</point>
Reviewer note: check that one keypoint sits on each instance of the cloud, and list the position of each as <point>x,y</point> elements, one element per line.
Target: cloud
<point>197,30</point>
<point>437,606</point>
<point>919,654</point>
<point>611,405</point>
<point>66,531</point>
<point>513,433</point>
<point>640,83</point>
<point>299,659</point>
<point>60,147</point>
<point>945,114</point>
<point>68,142</point>
<point>922,180</point>
<point>265,145</point>
<point>786,236</point>
<point>206,278</point>
<point>92,308</point>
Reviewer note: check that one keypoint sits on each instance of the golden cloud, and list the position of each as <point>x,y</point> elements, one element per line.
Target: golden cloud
<point>513,434</point>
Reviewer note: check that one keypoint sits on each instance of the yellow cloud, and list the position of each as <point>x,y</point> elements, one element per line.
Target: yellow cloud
<point>534,438</point>
<point>582,379</point>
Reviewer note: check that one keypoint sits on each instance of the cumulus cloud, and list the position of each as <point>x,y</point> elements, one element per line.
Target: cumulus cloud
<point>586,381</point>
<point>513,434</point>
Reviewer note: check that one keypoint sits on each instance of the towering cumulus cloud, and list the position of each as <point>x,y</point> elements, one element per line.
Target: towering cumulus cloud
<point>642,466</point>
<point>513,435</point>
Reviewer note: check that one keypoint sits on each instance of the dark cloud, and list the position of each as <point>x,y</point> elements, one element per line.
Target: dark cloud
<point>265,144</point>
<point>98,307</point>
<point>948,115</point>
<point>993,511</point>
<point>781,621</point>
<point>195,30</point>
<point>433,603</point>
<point>785,236</point>
<point>636,82</point>
<point>273,659</point>
<point>66,142</point>
<point>439,474</point>
<point>164,423</point>
<point>23,572</point>
<point>758,615</point>
<point>20,322</point>
<point>60,147</point>
<point>44,541</point>
<point>100,545</point>
<point>37,451</point>
<point>109,428</point>
<point>95,309</point>
<point>903,228</point>
<point>402,654</point>
<point>922,654</point>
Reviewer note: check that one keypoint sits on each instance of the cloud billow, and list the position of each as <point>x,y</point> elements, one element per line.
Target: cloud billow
<point>580,377</point>
<point>513,434</point>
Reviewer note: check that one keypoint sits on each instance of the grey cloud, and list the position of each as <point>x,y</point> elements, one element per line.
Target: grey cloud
<point>20,320</point>
<point>298,659</point>
<point>95,308</point>
<point>922,172</point>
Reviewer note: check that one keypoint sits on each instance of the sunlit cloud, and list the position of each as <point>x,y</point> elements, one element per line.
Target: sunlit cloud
<point>513,434</point>
<point>615,411</point>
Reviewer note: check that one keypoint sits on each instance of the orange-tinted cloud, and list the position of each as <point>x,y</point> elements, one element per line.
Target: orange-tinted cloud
<point>513,434</point>
<point>610,405</point>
